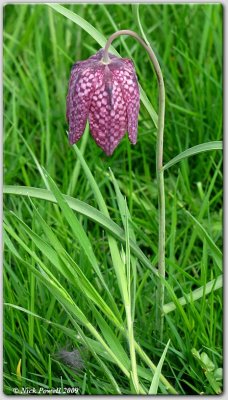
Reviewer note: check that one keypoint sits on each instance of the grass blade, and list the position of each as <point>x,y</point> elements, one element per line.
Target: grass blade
<point>67,266</point>
<point>155,381</point>
<point>200,148</point>
<point>84,209</point>
<point>196,294</point>
<point>215,251</point>
<point>76,227</point>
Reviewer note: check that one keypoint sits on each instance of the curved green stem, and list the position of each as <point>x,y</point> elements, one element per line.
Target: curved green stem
<point>159,169</point>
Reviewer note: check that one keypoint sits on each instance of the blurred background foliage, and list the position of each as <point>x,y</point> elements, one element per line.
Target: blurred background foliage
<point>40,47</point>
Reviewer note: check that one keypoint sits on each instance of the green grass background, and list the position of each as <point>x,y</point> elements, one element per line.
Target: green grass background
<point>47,245</point>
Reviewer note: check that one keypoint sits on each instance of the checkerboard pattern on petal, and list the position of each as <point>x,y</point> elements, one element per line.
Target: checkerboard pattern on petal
<point>108,96</point>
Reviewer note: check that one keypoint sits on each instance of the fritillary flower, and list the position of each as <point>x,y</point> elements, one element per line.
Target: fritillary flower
<point>107,94</point>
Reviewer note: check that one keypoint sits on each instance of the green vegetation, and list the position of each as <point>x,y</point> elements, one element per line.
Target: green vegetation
<point>81,229</point>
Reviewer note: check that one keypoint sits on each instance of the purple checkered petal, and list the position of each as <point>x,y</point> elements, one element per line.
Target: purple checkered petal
<point>78,101</point>
<point>108,114</point>
<point>129,84</point>
<point>107,95</point>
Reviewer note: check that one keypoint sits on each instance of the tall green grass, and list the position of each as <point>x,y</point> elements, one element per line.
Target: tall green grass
<point>81,229</point>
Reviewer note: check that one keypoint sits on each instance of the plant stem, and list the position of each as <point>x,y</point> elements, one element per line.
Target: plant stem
<point>159,170</point>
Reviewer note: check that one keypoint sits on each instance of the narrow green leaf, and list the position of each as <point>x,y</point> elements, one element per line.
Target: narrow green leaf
<point>135,9</point>
<point>200,148</point>
<point>76,228</point>
<point>124,211</point>
<point>178,305</point>
<point>129,235</point>
<point>49,280</point>
<point>196,294</point>
<point>67,267</point>
<point>78,276</point>
<point>10,244</point>
<point>215,251</point>
<point>75,174</point>
<point>64,298</point>
<point>155,381</point>
<point>84,209</point>
<point>115,254</point>
<point>90,345</point>
<point>112,339</point>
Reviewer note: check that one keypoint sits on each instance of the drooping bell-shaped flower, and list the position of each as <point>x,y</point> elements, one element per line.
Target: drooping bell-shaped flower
<point>108,95</point>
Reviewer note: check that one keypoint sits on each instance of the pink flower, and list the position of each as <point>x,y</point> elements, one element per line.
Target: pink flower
<point>107,95</point>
